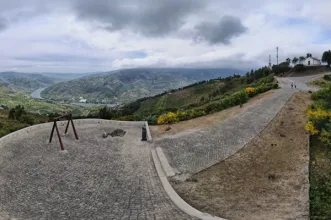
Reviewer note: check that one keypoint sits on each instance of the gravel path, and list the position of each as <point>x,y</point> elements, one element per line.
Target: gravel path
<point>96,178</point>
<point>198,150</point>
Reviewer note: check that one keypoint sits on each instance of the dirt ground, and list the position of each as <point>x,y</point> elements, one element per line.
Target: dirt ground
<point>310,71</point>
<point>205,121</point>
<point>267,179</point>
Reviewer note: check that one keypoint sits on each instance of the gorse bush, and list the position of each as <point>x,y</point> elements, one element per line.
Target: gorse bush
<point>250,91</point>
<point>319,115</point>
<point>173,117</point>
<point>168,118</point>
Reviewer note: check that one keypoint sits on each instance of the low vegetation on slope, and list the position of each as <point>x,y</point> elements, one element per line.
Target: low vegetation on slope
<point>16,119</point>
<point>319,126</point>
<point>195,100</point>
<point>10,99</point>
<point>322,82</point>
<point>125,86</point>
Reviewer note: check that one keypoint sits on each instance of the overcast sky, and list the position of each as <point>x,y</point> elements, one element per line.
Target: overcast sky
<point>102,35</point>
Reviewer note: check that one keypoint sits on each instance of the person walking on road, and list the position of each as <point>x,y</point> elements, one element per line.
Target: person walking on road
<point>295,86</point>
<point>291,85</point>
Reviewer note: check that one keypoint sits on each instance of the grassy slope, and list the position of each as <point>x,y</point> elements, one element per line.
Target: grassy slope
<point>320,180</point>
<point>320,83</point>
<point>192,95</point>
<point>179,99</point>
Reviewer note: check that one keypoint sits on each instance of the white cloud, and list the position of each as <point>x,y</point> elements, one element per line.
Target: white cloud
<point>52,37</point>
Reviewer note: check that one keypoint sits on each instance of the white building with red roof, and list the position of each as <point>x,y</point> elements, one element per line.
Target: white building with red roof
<point>308,61</point>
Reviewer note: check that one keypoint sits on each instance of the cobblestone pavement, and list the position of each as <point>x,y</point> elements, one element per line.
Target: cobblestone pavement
<point>195,151</point>
<point>96,178</point>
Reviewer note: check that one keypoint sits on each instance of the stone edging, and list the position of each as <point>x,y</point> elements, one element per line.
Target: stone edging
<point>175,198</point>
<point>164,162</point>
<point>149,136</point>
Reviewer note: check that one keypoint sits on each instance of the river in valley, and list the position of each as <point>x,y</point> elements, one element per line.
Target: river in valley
<point>37,95</point>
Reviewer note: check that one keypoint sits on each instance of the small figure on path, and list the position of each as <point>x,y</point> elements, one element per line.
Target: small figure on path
<point>291,85</point>
<point>295,85</point>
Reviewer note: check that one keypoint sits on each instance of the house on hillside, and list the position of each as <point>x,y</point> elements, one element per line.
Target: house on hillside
<point>308,61</point>
<point>81,100</point>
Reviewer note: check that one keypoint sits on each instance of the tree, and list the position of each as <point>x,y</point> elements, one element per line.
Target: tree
<point>302,58</point>
<point>17,113</point>
<point>295,60</point>
<point>327,57</point>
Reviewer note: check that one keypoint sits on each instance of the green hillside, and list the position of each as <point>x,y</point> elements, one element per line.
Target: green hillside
<point>198,99</point>
<point>127,85</point>
<point>11,98</point>
<point>182,98</point>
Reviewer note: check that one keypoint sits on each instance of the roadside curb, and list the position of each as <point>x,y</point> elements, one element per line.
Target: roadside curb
<point>169,172</point>
<point>149,136</point>
<point>175,198</point>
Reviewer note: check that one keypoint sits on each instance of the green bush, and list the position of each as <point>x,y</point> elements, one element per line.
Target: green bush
<point>151,119</point>
<point>327,77</point>
<point>299,67</point>
<point>236,98</point>
<point>281,68</point>
<point>17,113</point>
<point>27,119</point>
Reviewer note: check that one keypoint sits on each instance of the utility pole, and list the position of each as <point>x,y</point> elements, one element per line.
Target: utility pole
<point>277,55</point>
<point>269,61</point>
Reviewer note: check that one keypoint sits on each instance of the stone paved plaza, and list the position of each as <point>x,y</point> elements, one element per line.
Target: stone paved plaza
<point>95,178</point>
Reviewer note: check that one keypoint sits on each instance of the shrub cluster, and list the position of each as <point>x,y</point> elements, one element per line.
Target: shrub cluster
<point>173,117</point>
<point>319,115</point>
<point>18,113</point>
<point>327,77</point>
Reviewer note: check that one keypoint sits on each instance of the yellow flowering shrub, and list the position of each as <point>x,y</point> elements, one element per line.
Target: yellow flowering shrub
<point>318,114</point>
<point>250,91</point>
<point>171,117</point>
<point>310,127</point>
<point>167,118</point>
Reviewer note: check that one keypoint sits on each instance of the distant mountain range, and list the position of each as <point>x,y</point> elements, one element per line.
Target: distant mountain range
<point>25,82</point>
<point>127,85</point>
<point>28,82</point>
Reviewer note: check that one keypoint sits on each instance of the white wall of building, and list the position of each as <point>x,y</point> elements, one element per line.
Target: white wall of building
<point>311,62</point>
<point>308,62</point>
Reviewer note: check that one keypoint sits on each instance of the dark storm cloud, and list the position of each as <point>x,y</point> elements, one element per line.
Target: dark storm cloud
<point>220,32</point>
<point>148,17</point>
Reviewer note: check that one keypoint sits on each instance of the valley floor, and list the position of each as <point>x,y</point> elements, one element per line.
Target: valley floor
<point>267,179</point>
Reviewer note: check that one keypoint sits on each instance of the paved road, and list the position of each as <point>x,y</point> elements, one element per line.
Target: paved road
<point>112,178</point>
<point>193,152</point>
